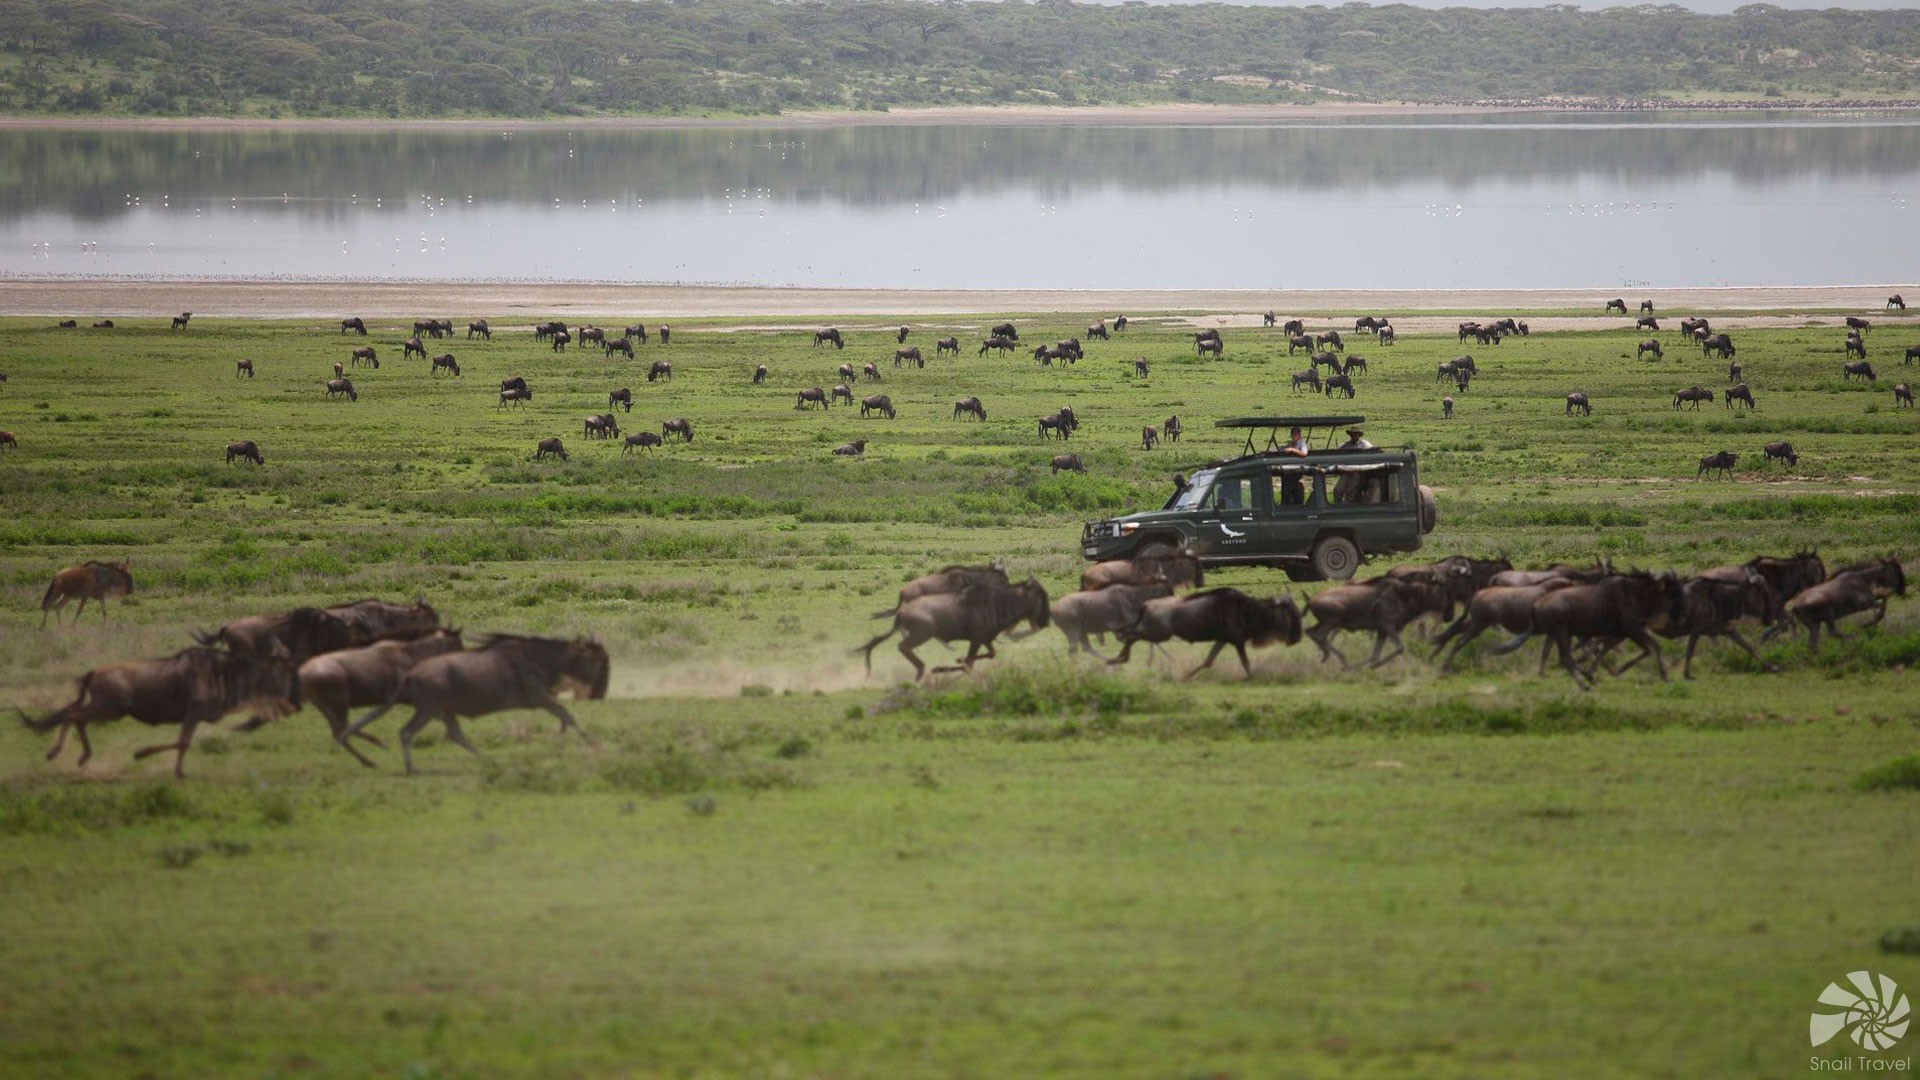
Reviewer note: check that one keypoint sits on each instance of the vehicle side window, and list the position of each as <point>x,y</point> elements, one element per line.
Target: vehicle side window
<point>1292,489</point>
<point>1373,487</point>
<point>1233,493</point>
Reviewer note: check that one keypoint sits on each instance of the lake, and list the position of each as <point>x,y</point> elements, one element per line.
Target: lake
<point>1512,201</point>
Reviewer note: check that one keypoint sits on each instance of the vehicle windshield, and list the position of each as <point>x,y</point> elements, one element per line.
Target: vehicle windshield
<point>1196,492</point>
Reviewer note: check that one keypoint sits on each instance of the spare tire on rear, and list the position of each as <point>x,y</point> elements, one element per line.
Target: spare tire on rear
<point>1429,510</point>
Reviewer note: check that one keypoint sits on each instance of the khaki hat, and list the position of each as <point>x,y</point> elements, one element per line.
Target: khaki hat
<point>1355,431</point>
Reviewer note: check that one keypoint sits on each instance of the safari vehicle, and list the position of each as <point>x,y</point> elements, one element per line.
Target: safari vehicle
<point>1316,517</point>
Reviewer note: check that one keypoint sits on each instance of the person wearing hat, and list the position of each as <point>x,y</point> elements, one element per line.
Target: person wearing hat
<point>1356,440</point>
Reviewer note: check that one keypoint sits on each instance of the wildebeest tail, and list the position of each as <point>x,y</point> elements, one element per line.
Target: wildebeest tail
<point>887,614</point>
<point>868,648</point>
<point>58,716</point>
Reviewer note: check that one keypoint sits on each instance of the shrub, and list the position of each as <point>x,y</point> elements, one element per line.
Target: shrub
<point>1900,774</point>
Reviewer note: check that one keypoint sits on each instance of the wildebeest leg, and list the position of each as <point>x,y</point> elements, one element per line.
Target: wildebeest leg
<point>457,737</point>
<point>53,609</point>
<point>1381,639</point>
<point>407,733</point>
<point>1322,635</point>
<point>1742,642</point>
<point>553,706</point>
<point>82,609</point>
<point>86,746</point>
<point>178,746</point>
<point>907,644</point>
<point>1126,651</point>
<point>336,718</point>
<point>1211,654</point>
<point>1651,647</point>
<point>1562,641</point>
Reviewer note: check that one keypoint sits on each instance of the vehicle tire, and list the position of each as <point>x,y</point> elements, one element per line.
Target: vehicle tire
<point>1429,510</point>
<point>1335,558</point>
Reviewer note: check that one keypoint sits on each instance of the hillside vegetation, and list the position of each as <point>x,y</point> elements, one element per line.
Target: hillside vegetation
<point>412,58</point>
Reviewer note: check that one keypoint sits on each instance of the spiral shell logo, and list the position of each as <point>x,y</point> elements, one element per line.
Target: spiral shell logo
<point>1876,1017</point>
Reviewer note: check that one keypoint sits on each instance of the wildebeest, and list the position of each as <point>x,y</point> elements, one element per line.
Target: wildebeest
<point>969,406</point>
<point>1616,304</point>
<point>977,614</point>
<point>622,397</point>
<point>1693,395</point>
<point>1139,367</point>
<point>1780,451</point>
<point>243,367</point>
<point>1005,330</point>
<point>1387,336</point>
<point>1651,345</point>
<point>1896,301</point>
<point>103,324</point>
<point>1384,605</point>
<point>371,356</point>
<point>92,580</point>
<point>591,335</point>
<point>1057,424</point>
<point>1082,615</point>
<point>1902,395</point>
<point>192,687</point>
<point>877,403</point>
<point>339,369</point>
<point>74,324</point>
<point>1859,325</point>
<point>1120,324</point>
<point>903,356</point>
<point>1170,429</point>
<point>1646,307</point>
<point>1509,607</point>
<point>1178,569</point>
<point>1717,343</point>
<point>447,362</point>
<point>1148,436</point>
<point>409,347</point>
<point>1299,341</point>
<point>1446,408</point>
<point>1368,324</point>
<point>479,326</point>
<point>846,372</point>
<point>1735,371</point>
<point>599,426</point>
<point>623,346</point>
<point>636,332</point>
<point>515,382</point>
<point>842,392</point>
<point>352,678</point>
<point>759,374</point>
<point>811,396</point>
<point>1740,392</point>
<point>1856,347</point>
<point>8,441</point>
<point>1293,326</point>
<point>1787,576</point>
<point>947,579</point>
<point>666,333</point>
<point>680,426</point>
<point>1578,400</point>
<point>1309,377</point>
<point>659,369</point>
<point>1326,360</point>
<point>1045,355</point>
<point>1865,587</point>
<point>1331,337</point>
<point>1912,354</point>
<point>337,387</point>
<point>829,336</point>
<point>546,330</point>
<point>1619,606</point>
<point>1646,323</point>
<point>1337,382</point>
<point>901,338</point>
<point>515,395</point>
<point>1098,331</point>
<point>646,440</point>
<point>1858,369</point>
<point>356,324</point>
<point>1356,364</point>
<point>559,340</point>
<point>1067,463</point>
<point>550,447</point>
<point>1688,326</point>
<point>508,672</point>
<point>1222,616</point>
<point>870,373</point>
<point>1710,607</point>
<point>1003,344</point>
<point>947,345</point>
<point>1721,462</point>
<point>308,631</point>
<point>856,448</point>
<point>247,450</point>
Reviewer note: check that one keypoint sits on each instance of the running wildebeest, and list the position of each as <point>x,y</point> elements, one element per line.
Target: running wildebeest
<point>680,426</point>
<point>1384,605</point>
<point>877,403</point>
<point>1309,377</point>
<point>622,397</point>
<point>947,579</point>
<point>1101,612</point>
<point>947,345</point>
<point>1178,569</point>
<point>1509,607</point>
<point>1717,343</point>
<point>1628,606</point>
<point>1710,607</point>
<point>1578,400</point>
<point>1859,325</point>
<point>976,614</point>
<point>92,580</point>
<point>1787,577</point>
<point>515,396</point>
<point>342,386</point>
<point>1098,331</point>
<point>1849,592</point>
<point>1222,616</point>
<point>479,326</point>
<point>559,340</point>
<point>308,631</point>
<point>508,672</point>
<point>842,392</point>
<point>623,346</point>
<point>1337,382</point>
<point>409,347</point>
<point>646,440</point>
<point>1692,395</point>
<point>246,450</point>
<point>1780,451</point>
<point>353,678</point>
<point>1902,395</point>
<point>856,448</point>
<point>969,406</point>
<point>1646,323</point>
<point>1139,367</point>
<point>1721,462</point>
<point>1858,369</point>
<point>1148,436</point>
<point>356,324</point>
<point>870,373</point>
<point>550,447</point>
<point>192,687</point>
<point>902,356</point>
<point>243,367</point>
<point>447,362</point>
<point>811,396</point>
<point>599,426</point>
<point>1651,345</point>
<point>1446,408</point>
<point>1740,392</point>
<point>759,374</point>
<point>1299,341</point>
<point>829,336</point>
<point>660,369</point>
<point>1896,301</point>
<point>1856,347</point>
<point>1616,304</point>
<point>1067,463</point>
<point>1170,429</point>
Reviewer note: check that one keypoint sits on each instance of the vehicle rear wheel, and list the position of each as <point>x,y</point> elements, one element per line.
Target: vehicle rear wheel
<point>1335,558</point>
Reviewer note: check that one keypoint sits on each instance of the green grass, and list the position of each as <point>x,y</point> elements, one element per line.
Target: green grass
<point>775,864</point>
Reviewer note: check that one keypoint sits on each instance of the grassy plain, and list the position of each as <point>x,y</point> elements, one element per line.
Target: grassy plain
<point>780,866</point>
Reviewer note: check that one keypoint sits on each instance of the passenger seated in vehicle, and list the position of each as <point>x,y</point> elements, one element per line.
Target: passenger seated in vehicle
<point>1292,488</point>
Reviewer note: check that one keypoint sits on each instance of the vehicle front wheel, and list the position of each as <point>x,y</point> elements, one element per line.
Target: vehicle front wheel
<point>1335,558</point>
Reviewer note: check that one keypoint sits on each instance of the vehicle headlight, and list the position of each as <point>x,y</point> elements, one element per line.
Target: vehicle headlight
<point>1126,528</point>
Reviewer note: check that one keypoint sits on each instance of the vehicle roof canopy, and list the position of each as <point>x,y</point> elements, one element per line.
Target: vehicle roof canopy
<point>1273,424</point>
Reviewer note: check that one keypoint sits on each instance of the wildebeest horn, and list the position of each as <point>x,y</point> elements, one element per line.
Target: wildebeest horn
<point>207,638</point>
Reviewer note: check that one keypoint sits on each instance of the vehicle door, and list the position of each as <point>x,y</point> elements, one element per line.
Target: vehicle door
<point>1224,527</point>
<point>1371,502</point>
<point>1291,516</point>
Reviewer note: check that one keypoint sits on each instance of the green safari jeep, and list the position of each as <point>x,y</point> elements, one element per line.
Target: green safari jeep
<point>1317,516</point>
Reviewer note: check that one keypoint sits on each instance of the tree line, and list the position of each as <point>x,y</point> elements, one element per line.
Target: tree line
<point>446,58</point>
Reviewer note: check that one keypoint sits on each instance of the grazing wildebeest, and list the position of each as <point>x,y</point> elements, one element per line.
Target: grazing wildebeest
<point>356,324</point>
<point>447,362</point>
<point>1331,337</point>
<point>517,382</point>
<point>8,441</point>
<point>829,336</point>
<point>1326,360</point>
<point>1721,463</point>
<point>1067,463</point>
<point>1450,370</point>
<point>1098,331</point>
<point>1651,345</point>
<point>599,426</point>
<point>638,332</point>
<point>646,440</point>
<point>1692,395</point>
<point>103,324</point>
<point>1646,307</point>
<point>1103,611</point>
<point>680,426</point>
<point>1170,429</point>
<point>1003,344</point>
<point>1386,335</point>
<point>560,339</point>
<point>1646,323</point>
<point>1902,395</point>
<point>1717,343</point>
<point>1896,301</point>
<point>1222,616</point>
<point>947,345</point>
<point>592,335</point>
<point>660,369</point>
<point>1005,330</point>
<point>856,448</point>
<point>1620,606</point>
<point>1178,569</point>
<point>546,330</point>
<point>877,403</point>
<point>1337,382</point>
<point>342,386</point>
<point>1740,392</point>
<point>1384,605</point>
<point>1057,424</point>
<point>1047,354</point>
<point>1368,324</point>
<point>192,687</point>
<point>515,396</point>
<point>622,397</point>
<point>623,346</point>
<point>407,348</point>
<point>1858,325</point>
<point>1356,365</point>
<point>1299,341</point>
<point>969,406</point>
<point>1616,304</point>
<point>1293,326</point>
<point>1211,345</point>
<point>846,372</point>
<point>1309,377</point>
<point>1849,592</point>
<point>1735,371</point>
<point>759,374</point>
<point>508,672</point>
<point>371,356</point>
<point>870,373</point>
<point>977,614</point>
<point>1780,451</point>
<point>91,580</point>
<point>1268,319</point>
<point>369,675</point>
<point>1578,400</point>
<point>479,326</point>
<point>1856,347</point>
<point>1912,354</point>
<point>243,367</point>
<point>1446,407</point>
<point>1688,326</point>
<point>904,356</point>
<point>901,338</point>
<point>245,449</point>
<point>550,447</point>
<point>1858,369</point>
<point>1148,436</point>
<point>74,324</point>
<point>842,392</point>
<point>1466,330</point>
<point>811,396</point>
